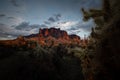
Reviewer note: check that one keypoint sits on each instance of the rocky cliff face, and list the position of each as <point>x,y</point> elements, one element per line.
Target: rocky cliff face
<point>20,41</point>
<point>54,37</point>
<point>47,37</point>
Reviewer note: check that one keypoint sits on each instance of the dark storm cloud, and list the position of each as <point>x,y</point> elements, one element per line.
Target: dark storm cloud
<point>11,18</point>
<point>43,26</point>
<point>51,19</point>
<point>6,16</point>
<point>2,34</point>
<point>14,3</point>
<point>6,31</point>
<point>26,26</point>
<point>3,27</point>
<point>1,24</point>
<point>6,34</point>
<point>57,16</point>
<point>54,18</point>
<point>2,15</point>
<point>10,32</point>
<point>46,22</point>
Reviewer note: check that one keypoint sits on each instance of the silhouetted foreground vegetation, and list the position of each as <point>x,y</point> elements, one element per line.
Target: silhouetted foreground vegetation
<point>103,52</point>
<point>55,63</point>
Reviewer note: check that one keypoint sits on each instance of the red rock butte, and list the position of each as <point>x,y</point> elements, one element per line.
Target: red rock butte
<point>47,37</point>
<point>53,36</point>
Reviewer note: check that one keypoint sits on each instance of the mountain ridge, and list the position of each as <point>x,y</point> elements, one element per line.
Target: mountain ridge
<point>48,37</point>
<point>55,36</point>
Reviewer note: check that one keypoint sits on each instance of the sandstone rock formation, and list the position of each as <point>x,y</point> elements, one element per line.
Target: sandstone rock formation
<point>54,37</point>
<point>47,37</point>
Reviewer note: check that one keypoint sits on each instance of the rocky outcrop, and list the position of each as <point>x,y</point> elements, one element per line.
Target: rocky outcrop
<point>20,41</point>
<point>53,36</point>
<point>46,37</point>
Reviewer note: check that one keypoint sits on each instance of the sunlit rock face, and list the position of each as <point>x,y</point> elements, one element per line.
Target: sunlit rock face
<point>19,41</point>
<point>53,36</point>
<point>47,37</point>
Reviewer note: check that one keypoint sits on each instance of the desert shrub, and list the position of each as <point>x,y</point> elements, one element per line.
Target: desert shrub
<point>40,63</point>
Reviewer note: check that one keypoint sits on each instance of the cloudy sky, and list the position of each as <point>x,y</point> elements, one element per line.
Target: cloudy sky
<point>24,17</point>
